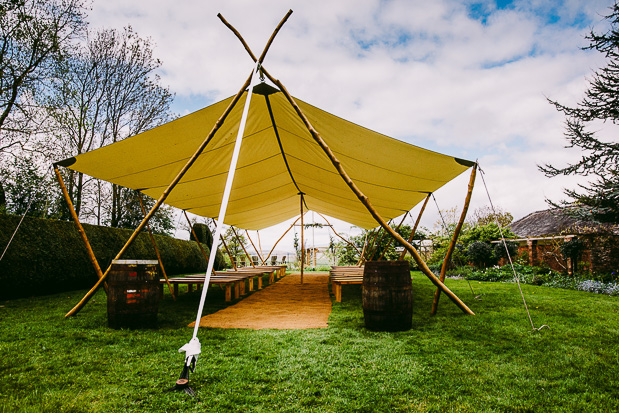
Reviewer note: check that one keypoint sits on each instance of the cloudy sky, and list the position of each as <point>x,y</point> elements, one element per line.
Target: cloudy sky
<point>466,78</point>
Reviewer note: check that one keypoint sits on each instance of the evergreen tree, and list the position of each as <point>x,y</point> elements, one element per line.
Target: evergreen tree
<point>599,200</point>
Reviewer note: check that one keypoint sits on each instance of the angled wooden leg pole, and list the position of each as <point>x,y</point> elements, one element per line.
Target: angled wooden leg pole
<point>80,228</point>
<point>163,196</point>
<point>152,240</point>
<point>255,249</point>
<point>452,244</point>
<point>280,238</point>
<point>364,200</point>
<point>410,238</point>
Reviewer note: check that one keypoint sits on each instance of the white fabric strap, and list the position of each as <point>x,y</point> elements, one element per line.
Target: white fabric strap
<point>225,199</point>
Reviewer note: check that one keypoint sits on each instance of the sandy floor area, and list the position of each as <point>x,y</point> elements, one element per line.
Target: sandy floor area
<point>286,304</point>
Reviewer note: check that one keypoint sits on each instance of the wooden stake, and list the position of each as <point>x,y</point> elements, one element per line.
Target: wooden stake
<point>255,249</point>
<point>364,199</point>
<point>302,242</point>
<point>246,253</point>
<point>164,195</point>
<point>410,238</point>
<point>452,244</point>
<point>152,239</point>
<point>80,228</point>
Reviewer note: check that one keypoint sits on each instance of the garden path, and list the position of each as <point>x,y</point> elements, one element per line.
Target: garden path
<point>286,304</point>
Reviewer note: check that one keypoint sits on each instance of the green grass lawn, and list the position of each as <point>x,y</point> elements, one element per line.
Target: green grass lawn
<point>450,362</point>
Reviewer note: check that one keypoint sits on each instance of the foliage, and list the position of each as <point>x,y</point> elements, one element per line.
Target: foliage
<point>489,362</point>
<point>130,214</point>
<point>480,254</point>
<point>572,249</point>
<point>26,189</point>
<point>469,247</point>
<point>600,199</point>
<point>203,233</point>
<point>487,215</point>
<point>539,275</point>
<point>378,245</point>
<point>49,256</point>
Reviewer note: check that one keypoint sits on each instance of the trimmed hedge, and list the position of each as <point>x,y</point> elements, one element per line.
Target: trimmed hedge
<point>48,256</point>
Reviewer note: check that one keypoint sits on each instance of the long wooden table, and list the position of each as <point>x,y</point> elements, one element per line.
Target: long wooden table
<point>230,280</point>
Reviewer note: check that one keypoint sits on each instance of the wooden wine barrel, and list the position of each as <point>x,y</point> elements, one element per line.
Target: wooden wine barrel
<point>133,294</point>
<point>387,296</point>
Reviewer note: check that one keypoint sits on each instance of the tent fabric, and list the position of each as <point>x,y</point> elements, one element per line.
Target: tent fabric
<point>278,160</point>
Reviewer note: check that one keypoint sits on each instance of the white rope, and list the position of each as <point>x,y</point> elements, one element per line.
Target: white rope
<point>192,349</point>
<point>496,220</point>
<point>32,196</point>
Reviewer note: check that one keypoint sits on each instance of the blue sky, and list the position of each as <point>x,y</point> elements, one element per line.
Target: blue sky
<point>466,78</point>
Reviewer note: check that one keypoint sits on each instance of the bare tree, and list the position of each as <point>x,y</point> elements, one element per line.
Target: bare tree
<point>34,34</point>
<point>107,91</point>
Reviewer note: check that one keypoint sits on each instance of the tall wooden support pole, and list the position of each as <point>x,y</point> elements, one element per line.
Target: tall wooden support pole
<point>255,249</point>
<point>364,199</point>
<point>452,245</point>
<point>80,228</point>
<point>302,241</point>
<point>283,235</point>
<point>152,240</point>
<point>163,196</point>
<point>195,237</point>
<point>243,246</point>
<point>410,238</point>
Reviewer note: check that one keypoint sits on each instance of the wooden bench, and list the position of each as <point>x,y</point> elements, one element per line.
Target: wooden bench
<point>190,282</point>
<point>344,275</point>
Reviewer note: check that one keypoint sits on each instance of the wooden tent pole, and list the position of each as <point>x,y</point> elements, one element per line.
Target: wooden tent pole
<point>255,249</point>
<point>391,239</point>
<point>410,238</point>
<point>195,237</point>
<point>80,228</point>
<point>365,244</point>
<point>335,232</point>
<point>164,195</point>
<point>364,199</point>
<point>268,45</point>
<point>243,246</point>
<point>452,244</point>
<point>302,242</point>
<point>152,240</point>
<point>282,237</point>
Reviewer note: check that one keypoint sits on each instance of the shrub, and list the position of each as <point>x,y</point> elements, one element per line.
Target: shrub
<point>48,256</point>
<point>481,254</point>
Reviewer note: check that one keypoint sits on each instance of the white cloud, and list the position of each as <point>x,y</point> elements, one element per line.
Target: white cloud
<point>423,71</point>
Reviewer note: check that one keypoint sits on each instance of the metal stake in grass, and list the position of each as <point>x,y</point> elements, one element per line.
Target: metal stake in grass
<point>182,384</point>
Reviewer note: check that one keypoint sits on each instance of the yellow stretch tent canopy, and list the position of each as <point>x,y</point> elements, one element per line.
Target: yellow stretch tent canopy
<point>278,160</point>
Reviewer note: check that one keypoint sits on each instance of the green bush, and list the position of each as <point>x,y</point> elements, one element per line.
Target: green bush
<point>48,256</point>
